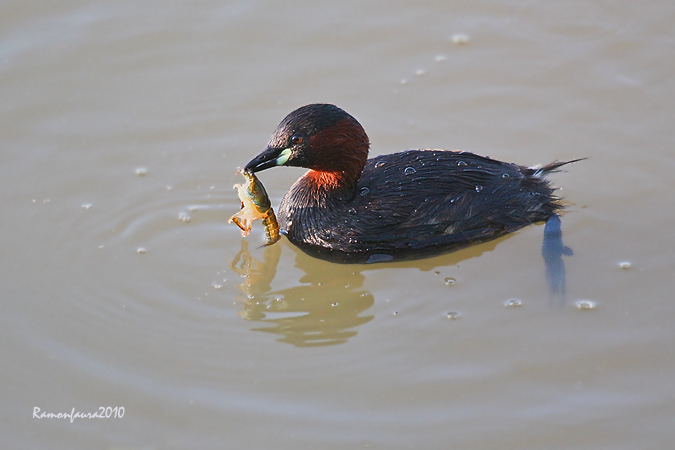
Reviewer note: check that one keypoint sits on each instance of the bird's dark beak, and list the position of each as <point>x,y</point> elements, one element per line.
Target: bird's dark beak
<point>270,157</point>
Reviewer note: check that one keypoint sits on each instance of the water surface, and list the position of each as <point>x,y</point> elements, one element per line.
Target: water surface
<point>122,127</point>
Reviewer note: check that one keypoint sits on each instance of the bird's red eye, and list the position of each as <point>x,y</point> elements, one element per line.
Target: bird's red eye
<point>296,139</point>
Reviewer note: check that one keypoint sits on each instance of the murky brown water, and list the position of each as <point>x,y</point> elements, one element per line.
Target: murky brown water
<point>122,126</point>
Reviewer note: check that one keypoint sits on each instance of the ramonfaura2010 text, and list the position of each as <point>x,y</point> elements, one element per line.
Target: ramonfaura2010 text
<point>104,412</point>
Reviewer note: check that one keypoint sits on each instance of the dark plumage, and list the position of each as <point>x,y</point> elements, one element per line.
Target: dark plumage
<point>406,205</point>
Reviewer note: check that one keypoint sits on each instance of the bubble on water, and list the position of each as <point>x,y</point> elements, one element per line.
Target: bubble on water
<point>449,281</point>
<point>479,188</point>
<point>351,211</point>
<point>86,206</point>
<point>440,58</point>
<point>505,175</point>
<point>625,265</point>
<point>141,250</point>
<point>420,72</point>
<point>585,305</point>
<point>461,163</point>
<point>452,315</point>
<point>216,285</point>
<point>379,164</point>
<point>513,303</point>
<point>334,304</point>
<point>184,217</point>
<point>409,170</point>
<point>141,171</point>
<point>395,313</point>
<point>460,39</point>
<point>364,191</point>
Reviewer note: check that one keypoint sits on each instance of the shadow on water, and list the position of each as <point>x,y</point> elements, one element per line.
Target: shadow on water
<point>552,250</point>
<point>327,307</point>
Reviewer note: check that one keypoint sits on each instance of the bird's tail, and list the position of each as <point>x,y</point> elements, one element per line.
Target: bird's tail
<point>551,167</point>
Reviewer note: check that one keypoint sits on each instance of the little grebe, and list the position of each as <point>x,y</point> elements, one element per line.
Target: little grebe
<point>414,204</point>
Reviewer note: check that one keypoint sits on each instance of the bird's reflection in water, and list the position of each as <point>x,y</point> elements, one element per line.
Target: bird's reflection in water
<point>324,311</point>
<point>326,308</point>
